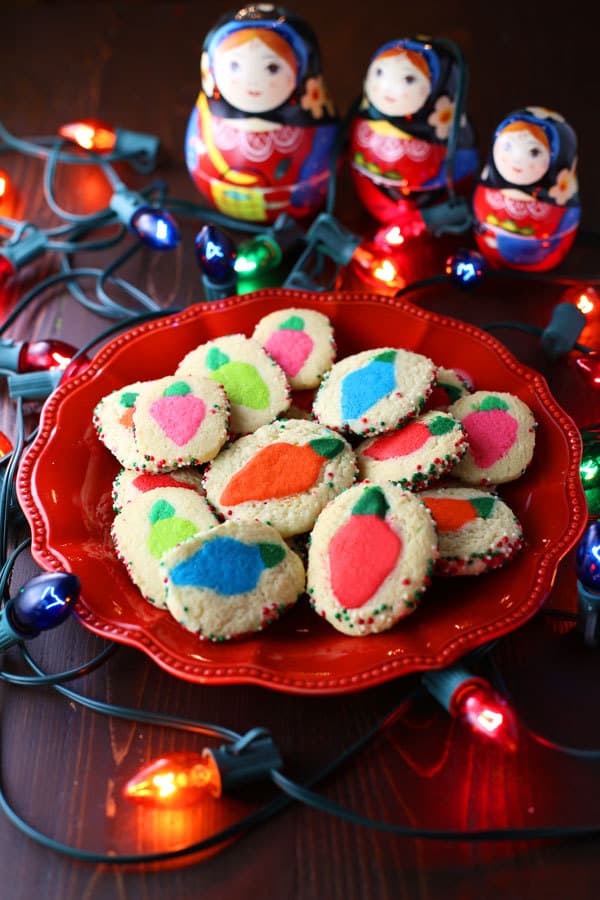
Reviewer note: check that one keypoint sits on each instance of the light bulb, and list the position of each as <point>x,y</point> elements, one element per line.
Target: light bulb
<point>4,183</point>
<point>377,268</point>
<point>175,780</point>
<point>473,701</point>
<point>259,254</point>
<point>41,604</point>
<point>92,134</point>
<point>14,256</point>
<point>216,256</point>
<point>155,227</point>
<point>39,356</point>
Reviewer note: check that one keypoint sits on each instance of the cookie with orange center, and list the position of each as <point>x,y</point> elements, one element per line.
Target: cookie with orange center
<point>500,429</point>
<point>152,523</point>
<point>415,455</point>
<point>283,475</point>
<point>372,553</point>
<point>374,391</point>
<point>113,423</point>
<point>301,341</point>
<point>477,531</point>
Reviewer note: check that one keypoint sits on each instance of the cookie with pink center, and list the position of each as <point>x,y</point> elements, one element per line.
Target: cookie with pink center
<point>301,341</point>
<point>179,421</point>
<point>415,455</point>
<point>500,429</point>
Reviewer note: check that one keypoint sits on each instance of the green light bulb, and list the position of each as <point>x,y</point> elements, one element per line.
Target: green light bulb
<point>259,254</point>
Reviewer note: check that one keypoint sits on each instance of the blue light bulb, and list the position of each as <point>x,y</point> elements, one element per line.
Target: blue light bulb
<point>466,268</point>
<point>216,253</point>
<point>41,604</point>
<point>587,562</point>
<point>156,228</point>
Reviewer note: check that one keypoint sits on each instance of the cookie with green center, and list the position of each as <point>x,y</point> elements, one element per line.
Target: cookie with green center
<point>283,474</point>
<point>129,483</point>
<point>232,581</point>
<point>256,386</point>
<point>374,391</point>
<point>301,341</point>
<point>414,455</point>
<point>500,429</point>
<point>180,421</point>
<point>152,523</point>
<point>371,556</point>
<point>477,531</point>
<point>113,423</point>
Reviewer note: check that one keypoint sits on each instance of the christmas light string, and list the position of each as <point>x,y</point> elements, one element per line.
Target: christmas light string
<point>337,245</point>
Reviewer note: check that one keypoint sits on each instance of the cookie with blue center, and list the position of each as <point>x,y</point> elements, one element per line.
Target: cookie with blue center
<point>232,581</point>
<point>374,391</point>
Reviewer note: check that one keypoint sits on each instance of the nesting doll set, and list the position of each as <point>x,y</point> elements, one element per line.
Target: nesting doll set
<point>261,139</point>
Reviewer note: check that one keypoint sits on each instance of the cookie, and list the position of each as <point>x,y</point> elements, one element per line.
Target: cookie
<point>450,386</point>
<point>301,341</point>
<point>179,421</point>
<point>477,531</point>
<point>415,455</point>
<point>232,581</point>
<point>371,557</point>
<point>113,423</point>
<point>500,429</point>
<point>283,474</point>
<point>152,523</point>
<point>374,391</point>
<point>255,385</point>
<point>129,483</point>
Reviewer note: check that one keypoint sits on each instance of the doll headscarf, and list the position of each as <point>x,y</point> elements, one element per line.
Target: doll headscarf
<point>444,77</point>
<point>297,109</point>
<point>562,143</point>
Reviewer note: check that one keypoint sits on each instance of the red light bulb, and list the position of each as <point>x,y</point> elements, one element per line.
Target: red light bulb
<point>485,712</point>
<point>39,356</point>
<point>5,445</point>
<point>377,268</point>
<point>590,365</point>
<point>393,235</point>
<point>586,299</point>
<point>175,780</point>
<point>90,134</point>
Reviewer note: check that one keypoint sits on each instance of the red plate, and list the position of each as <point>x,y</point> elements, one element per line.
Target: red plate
<point>64,486</point>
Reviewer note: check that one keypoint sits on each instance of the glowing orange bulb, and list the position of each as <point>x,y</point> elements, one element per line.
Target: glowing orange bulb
<point>585,304</point>
<point>4,182</point>
<point>394,236</point>
<point>175,780</point>
<point>585,299</point>
<point>90,134</point>
<point>376,267</point>
<point>5,445</point>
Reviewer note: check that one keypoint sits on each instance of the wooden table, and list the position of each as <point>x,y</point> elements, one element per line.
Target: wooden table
<point>137,66</point>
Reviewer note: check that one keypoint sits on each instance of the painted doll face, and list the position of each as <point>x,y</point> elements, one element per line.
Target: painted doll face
<point>520,157</point>
<point>252,77</point>
<point>395,86</point>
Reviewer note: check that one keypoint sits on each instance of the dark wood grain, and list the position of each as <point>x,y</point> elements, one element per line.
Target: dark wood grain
<point>137,66</point>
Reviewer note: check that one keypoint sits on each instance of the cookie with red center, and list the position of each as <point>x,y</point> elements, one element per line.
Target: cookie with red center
<point>371,556</point>
<point>477,531</point>
<point>374,391</point>
<point>500,429</point>
<point>450,386</point>
<point>152,523</point>
<point>301,341</point>
<point>179,421</point>
<point>113,422</point>
<point>414,455</point>
<point>283,474</point>
<point>129,483</point>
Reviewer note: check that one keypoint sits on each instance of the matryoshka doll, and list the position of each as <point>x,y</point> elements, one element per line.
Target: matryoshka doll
<point>526,204</point>
<point>400,134</point>
<point>260,137</point>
